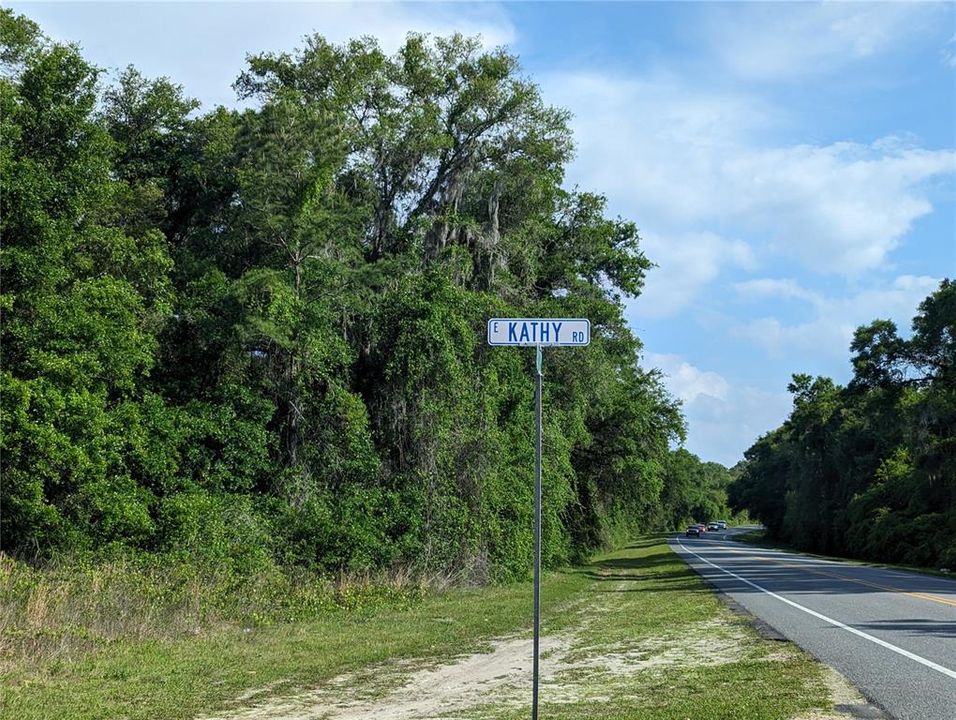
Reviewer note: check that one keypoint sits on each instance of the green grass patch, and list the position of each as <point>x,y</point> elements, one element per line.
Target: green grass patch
<point>658,645</point>
<point>629,618</point>
<point>177,677</point>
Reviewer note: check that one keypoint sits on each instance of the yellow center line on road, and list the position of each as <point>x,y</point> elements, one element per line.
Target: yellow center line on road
<point>890,588</point>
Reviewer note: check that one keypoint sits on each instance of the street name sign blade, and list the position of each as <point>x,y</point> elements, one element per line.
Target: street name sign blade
<point>540,332</point>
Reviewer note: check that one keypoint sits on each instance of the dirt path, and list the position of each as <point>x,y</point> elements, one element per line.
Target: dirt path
<point>491,681</point>
<point>431,692</point>
<point>575,668</point>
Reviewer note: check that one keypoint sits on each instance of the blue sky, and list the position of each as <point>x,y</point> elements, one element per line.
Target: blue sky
<point>792,166</point>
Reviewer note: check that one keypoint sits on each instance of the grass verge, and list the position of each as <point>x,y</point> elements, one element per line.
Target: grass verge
<point>91,670</point>
<point>645,638</point>
<point>758,538</point>
<point>657,644</point>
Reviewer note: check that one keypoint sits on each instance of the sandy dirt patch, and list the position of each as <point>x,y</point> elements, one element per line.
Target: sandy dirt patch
<point>436,692</point>
<point>573,669</point>
<point>847,701</point>
<point>570,671</point>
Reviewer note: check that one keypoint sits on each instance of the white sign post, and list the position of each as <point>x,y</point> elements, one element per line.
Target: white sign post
<point>538,333</point>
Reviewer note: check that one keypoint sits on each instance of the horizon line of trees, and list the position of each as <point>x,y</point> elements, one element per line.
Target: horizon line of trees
<point>256,337</point>
<point>868,469</point>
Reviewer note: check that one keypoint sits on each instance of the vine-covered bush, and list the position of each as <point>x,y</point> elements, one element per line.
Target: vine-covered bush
<point>257,337</point>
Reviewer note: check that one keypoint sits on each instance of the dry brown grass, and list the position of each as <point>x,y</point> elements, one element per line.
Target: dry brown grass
<point>66,608</point>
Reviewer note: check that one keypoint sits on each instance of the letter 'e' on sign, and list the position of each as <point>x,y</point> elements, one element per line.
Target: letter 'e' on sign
<point>540,332</point>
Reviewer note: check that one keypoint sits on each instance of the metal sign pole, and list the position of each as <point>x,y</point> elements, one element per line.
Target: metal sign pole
<point>537,533</point>
<point>538,333</point>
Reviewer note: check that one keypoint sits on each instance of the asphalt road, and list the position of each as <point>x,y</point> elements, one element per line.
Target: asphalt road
<point>891,633</point>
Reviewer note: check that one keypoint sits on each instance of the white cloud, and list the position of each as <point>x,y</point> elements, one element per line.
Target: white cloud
<point>391,22</point>
<point>836,318</point>
<point>949,53</point>
<point>203,46</point>
<point>686,381</point>
<point>680,161</point>
<point>771,288</point>
<point>653,144</point>
<point>829,336</point>
<point>724,418</point>
<point>836,208</point>
<point>686,264</point>
<point>723,428</point>
<point>783,41</point>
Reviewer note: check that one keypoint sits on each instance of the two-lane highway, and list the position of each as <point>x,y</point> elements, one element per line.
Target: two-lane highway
<point>892,633</point>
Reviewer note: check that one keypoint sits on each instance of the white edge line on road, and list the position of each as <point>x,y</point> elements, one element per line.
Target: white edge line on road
<point>882,643</point>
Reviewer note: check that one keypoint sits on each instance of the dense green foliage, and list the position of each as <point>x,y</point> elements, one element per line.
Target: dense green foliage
<point>869,469</point>
<point>695,491</point>
<point>257,337</point>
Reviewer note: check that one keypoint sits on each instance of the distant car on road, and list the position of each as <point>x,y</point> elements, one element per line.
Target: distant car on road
<point>713,526</point>
<point>722,524</point>
<point>693,530</point>
<point>702,527</point>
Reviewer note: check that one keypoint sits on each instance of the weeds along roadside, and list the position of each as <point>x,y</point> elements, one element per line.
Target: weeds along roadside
<point>76,604</point>
<point>634,604</point>
<point>72,605</point>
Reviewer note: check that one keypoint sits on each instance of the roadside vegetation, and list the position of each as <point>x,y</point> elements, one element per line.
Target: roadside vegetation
<point>256,339</point>
<point>245,392</point>
<point>759,538</point>
<point>868,470</point>
<point>634,634</point>
<point>251,343</point>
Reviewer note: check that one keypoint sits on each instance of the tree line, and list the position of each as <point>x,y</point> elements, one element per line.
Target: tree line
<point>256,336</point>
<point>868,469</point>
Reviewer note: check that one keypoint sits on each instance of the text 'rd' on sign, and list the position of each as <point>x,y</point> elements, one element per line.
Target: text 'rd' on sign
<point>544,332</point>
